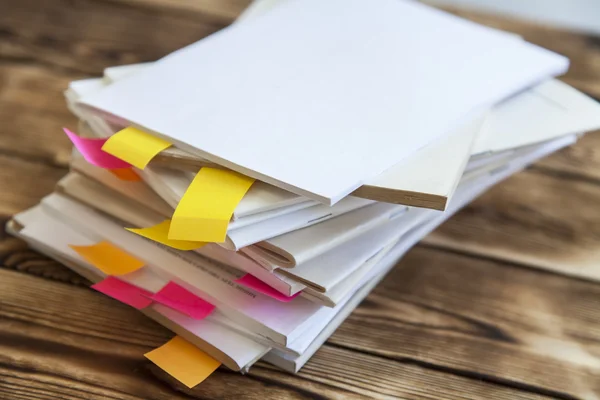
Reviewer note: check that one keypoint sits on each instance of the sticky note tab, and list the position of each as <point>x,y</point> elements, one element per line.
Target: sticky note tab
<point>135,146</point>
<point>184,301</point>
<point>124,292</point>
<point>108,258</point>
<point>256,284</point>
<point>91,150</point>
<point>204,212</point>
<point>183,361</point>
<point>159,233</point>
<point>126,174</point>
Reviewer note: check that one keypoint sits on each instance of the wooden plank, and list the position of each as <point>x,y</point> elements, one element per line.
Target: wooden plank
<point>535,219</point>
<point>45,45</point>
<point>580,160</point>
<point>16,255</point>
<point>24,183</point>
<point>484,318</point>
<point>218,11</point>
<point>33,112</point>
<point>88,36</point>
<point>59,340</point>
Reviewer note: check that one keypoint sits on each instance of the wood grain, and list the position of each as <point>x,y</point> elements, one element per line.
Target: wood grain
<point>223,11</point>
<point>579,161</point>
<point>537,219</point>
<point>484,319</point>
<point>87,36</point>
<point>16,255</point>
<point>24,183</point>
<point>57,340</point>
<point>459,317</point>
<point>33,113</point>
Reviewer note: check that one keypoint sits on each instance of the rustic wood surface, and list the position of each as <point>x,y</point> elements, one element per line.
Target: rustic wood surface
<point>501,302</point>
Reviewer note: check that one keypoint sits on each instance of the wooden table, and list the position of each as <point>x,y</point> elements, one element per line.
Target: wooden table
<point>501,302</point>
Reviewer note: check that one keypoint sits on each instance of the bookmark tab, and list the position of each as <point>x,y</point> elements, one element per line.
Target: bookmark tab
<point>126,174</point>
<point>135,146</point>
<point>256,284</point>
<point>204,212</point>
<point>184,301</point>
<point>183,361</point>
<point>124,292</point>
<point>159,233</point>
<point>91,150</point>
<point>108,258</point>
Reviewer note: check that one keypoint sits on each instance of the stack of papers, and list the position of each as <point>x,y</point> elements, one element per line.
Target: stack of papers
<point>249,190</point>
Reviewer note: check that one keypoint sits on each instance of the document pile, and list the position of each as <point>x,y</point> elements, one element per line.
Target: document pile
<point>249,190</point>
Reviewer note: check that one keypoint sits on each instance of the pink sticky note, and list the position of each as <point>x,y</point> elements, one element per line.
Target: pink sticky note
<point>256,284</point>
<point>124,292</point>
<point>184,301</point>
<point>91,149</point>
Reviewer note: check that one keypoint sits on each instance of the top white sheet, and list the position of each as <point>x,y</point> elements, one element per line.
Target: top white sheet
<point>295,97</point>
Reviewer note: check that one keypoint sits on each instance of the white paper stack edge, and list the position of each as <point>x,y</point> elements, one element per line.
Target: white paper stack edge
<point>332,255</point>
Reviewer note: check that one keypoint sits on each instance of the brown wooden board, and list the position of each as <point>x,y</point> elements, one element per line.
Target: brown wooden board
<point>459,318</point>
<point>486,319</point>
<point>577,162</point>
<point>87,36</point>
<point>537,218</point>
<point>71,342</point>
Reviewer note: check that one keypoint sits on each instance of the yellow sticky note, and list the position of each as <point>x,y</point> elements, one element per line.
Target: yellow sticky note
<point>135,146</point>
<point>108,258</point>
<point>159,233</point>
<point>204,212</point>
<point>183,361</point>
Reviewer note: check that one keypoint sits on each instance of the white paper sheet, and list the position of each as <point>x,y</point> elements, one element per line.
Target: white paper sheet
<point>304,244</point>
<point>297,107</point>
<point>335,265</point>
<point>245,236</point>
<point>547,111</point>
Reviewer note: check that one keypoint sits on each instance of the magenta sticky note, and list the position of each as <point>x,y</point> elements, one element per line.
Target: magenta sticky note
<point>256,284</point>
<point>124,292</point>
<point>184,301</point>
<point>91,150</point>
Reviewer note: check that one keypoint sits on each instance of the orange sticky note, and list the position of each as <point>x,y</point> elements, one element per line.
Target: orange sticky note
<point>183,361</point>
<point>126,174</point>
<point>108,258</point>
<point>204,212</point>
<point>159,233</point>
